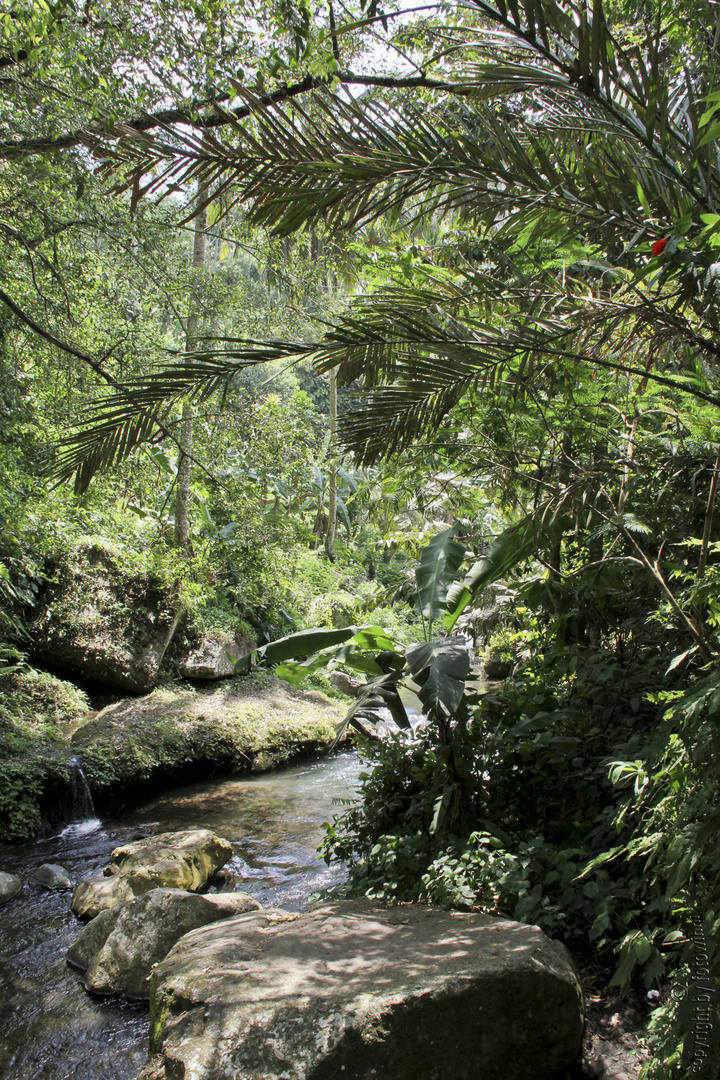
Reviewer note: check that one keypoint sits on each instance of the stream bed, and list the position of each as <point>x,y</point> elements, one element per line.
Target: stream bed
<point>51,1029</point>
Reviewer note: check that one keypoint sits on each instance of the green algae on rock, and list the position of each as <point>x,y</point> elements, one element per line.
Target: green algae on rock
<point>184,733</point>
<point>94,618</point>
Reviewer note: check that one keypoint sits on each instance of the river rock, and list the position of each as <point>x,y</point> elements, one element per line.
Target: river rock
<point>177,860</point>
<point>346,684</point>
<point>116,951</point>
<point>52,876</point>
<point>365,993</point>
<point>213,659</point>
<point>10,886</point>
<point>495,668</point>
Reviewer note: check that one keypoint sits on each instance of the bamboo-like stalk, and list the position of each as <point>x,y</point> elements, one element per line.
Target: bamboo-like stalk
<point>182,491</point>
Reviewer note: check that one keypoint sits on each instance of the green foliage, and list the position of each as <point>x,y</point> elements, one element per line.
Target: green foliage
<point>35,709</point>
<point>21,786</point>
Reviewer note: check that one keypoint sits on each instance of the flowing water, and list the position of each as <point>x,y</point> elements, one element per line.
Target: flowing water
<point>50,1028</point>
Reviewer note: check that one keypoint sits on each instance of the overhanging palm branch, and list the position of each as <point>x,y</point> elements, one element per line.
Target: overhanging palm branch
<point>359,162</point>
<point>114,426</point>
<point>581,105</point>
<point>416,358</point>
<point>553,128</point>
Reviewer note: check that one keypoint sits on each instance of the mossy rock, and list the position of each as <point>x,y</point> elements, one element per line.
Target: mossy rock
<point>183,733</point>
<point>95,618</point>
<point>36,713</point>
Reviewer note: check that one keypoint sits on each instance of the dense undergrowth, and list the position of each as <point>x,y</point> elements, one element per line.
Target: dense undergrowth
<point>587,804</point>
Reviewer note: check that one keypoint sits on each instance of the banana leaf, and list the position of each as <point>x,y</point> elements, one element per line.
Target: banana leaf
<point>439,564</point>
<point>518,542</point>
<point>440,669</point>
<point>377,694</point>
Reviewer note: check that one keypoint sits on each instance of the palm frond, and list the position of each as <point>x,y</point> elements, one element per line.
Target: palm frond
<point>112,427</point>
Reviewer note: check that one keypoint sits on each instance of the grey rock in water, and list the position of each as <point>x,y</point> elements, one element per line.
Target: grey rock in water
<point>365,993</point>
<point>91,938</point>
<point>52,876</point>
<point>117,950</point>
<point>177,860</point>
<point>10,886</point>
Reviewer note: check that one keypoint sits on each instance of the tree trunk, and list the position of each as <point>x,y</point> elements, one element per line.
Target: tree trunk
<point>332,482</point>
<point>182,491</point>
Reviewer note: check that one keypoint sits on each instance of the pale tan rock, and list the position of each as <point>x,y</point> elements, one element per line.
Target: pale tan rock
<point>213,659</point>
<point>179,860</point>
<point>117,950</point>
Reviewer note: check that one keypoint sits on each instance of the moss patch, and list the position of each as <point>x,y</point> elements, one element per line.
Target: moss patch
<point>252,722</point>
<point>36,711</point>
<point>94,618</point>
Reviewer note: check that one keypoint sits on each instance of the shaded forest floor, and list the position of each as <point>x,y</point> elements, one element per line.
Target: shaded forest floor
<point>615,1024</point>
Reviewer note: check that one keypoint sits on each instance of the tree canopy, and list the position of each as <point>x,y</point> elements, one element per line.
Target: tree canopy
<point>497,226</point>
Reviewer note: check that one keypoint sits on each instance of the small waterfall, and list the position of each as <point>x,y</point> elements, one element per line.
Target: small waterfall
<point>82,802</point>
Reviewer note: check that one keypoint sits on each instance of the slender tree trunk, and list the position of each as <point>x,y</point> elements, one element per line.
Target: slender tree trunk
<point>709,514</point>
<point>596,547</point>
<point>182,492</point>
<point>555,559</point>
<point>332,482</point>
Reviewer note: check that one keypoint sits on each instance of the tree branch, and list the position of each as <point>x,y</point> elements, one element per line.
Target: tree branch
<point>91,137</point>
<point>43,333</point>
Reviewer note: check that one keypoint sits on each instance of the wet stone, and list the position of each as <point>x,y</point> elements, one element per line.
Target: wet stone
<point>175,860</point>
<point>10,886</point>
<point>52,876</point>
<point>117,950</point>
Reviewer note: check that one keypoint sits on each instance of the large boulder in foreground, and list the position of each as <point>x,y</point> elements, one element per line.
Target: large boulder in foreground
<point>364,993</point>
<point>117,950</point>
<point>176,860</point>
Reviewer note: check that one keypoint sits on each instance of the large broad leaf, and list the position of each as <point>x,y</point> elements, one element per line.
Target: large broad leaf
<point>438,568</point>
<point>511,547</point>
<point>440,669</point>
<point>505,552</point>
<point>377,694</point>
<point>342,513</point>
<point>352,655</point>
<point>308,643</point>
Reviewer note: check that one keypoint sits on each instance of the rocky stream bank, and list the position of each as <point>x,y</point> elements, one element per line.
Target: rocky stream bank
<point>179,733</point>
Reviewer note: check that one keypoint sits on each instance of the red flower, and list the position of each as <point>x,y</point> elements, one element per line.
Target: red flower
<point>659,246</point>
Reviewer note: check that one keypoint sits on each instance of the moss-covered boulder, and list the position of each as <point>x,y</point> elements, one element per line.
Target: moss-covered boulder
<point>175,860</point>
<point>37,711</point>
<point>179,734</point>
<point>117,950</point>
<point>362,992</point>
<point>96,618</point>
